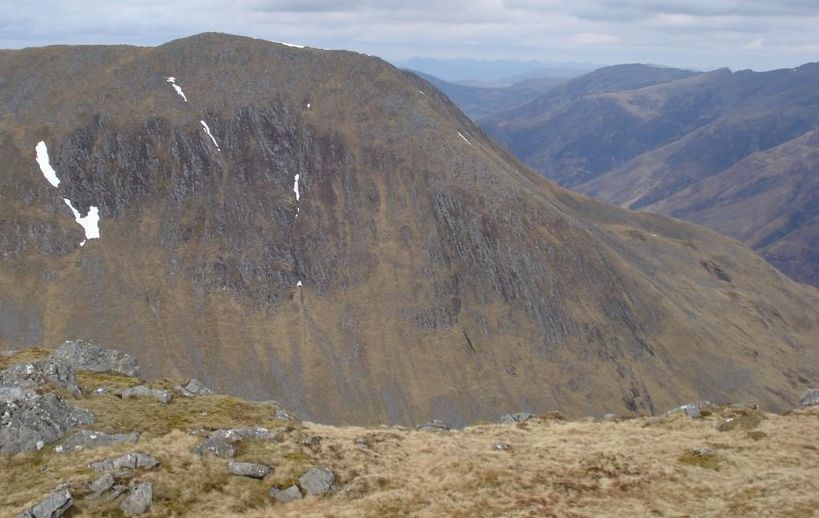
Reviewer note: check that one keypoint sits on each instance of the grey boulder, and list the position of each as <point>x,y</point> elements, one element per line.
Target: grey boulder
<point>519,417</point>
<point>249,469</point>
<point>435,425</point>
<point>134,460</point>
<point>163,396</point>
<point>29,420</point>
<point>317,481</point>
<point>809,398</point>
<point>101,485</point>
<point>85,356</point>
<point>53,506</point>
<point>220,442</point>
<point>87,439</point>
<point>284,496</point>
<point>139,499</point>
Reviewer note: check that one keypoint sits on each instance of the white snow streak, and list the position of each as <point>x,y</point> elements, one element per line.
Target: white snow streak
<point>465,139</point>
<point>298,284</point>
<point>90,222</point>
<point>207,130</point>
<point>296,186</point>
<point>290,45</point>
<point>308,106</point>
<point>172,80</point>
<point>45,166</point>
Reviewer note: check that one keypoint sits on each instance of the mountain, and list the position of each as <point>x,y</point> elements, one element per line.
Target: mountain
<point>480,102</point>
<point>731,151</point>
<point>321,228</point>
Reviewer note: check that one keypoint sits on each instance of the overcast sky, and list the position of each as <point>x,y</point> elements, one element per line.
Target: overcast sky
<point>703,34</point>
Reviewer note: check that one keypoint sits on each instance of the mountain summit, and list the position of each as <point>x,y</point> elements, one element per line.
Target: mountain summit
<point>321,228</point>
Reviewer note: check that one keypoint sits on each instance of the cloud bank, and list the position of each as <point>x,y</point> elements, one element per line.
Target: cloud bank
<point>758,34</point>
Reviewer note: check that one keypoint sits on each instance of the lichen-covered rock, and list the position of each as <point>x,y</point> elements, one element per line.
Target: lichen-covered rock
<point>53,506</point>
<point>28,419</point>
<point>284,496</point>
<point>139,499</point>
<point>317,481</point>
<point>44,372</point>
<point>87,439</point>
<point>163,396</point>
<point>249,469</point>
<point>85,356</point>
<point>435,425</point>
<point>809,398</point>
<point>134,460</point>
<point>519,417</point>
<point>194,386</point>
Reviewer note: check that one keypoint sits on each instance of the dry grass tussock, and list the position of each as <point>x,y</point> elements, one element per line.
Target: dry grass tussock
<point>765,465</point>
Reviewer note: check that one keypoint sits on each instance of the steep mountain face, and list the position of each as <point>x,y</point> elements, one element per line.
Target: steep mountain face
<point>320,228</point>
<point>674,148</point>
<point>481,102</point>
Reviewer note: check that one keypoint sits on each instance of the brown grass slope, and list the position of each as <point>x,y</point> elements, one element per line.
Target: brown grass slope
<point>441,277</point>
<point>761,464</point>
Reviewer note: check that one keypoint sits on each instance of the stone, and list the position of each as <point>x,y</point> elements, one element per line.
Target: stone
<point>317,481</point>
<point>163,396</point>
<point>434,426</point>
<point>284,496</point>
<point>610,417</point>
<point>44,372</point>
<point>87,439</point>
<point>501,446</point>
<point>703,452</point>
<point>693,410</point>
<point>361,440</point>
<point>194,386</point>
<point>249,469</point>
<point>220,442</point>
<point>809,398</point>
<point>284,415</point>
<point>28,419</point>
<point>134,460</point>
<point>102,484</point>
<point>217,446</point>
<point>520,417</point>
<point>53,506</point>
<point>85,356</point>
<point>312,441</point>
<point>139,499</point>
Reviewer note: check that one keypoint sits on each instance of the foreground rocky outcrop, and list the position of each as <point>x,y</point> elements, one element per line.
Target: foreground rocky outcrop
<point>213,455</point>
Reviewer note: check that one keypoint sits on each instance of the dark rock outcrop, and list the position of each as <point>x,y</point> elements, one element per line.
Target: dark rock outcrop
<point>809,398</point>
<point>49,371</point>
<point>29,420</point>
<point>85,356</point>
<point>519,417</point>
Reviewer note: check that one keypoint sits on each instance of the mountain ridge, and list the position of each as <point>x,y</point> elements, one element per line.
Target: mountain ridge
<point>439,276</point>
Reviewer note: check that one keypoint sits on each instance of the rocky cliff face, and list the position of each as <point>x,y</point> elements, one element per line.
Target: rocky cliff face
<point>319,228</point>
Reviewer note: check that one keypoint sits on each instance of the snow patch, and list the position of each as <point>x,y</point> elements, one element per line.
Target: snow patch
<point>465,139</point>
<point>207,130</point>
<point>90,222</point>
<point>308,106</point>
<point>422,93</point>
<point>45,166</point>
<point>172,80</point>
<point>290,45</point>
<point>296,187</point>
<point>298,284</point>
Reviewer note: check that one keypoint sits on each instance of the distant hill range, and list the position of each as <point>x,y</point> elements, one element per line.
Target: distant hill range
<point>479,102</point>
<point>734,151</point>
